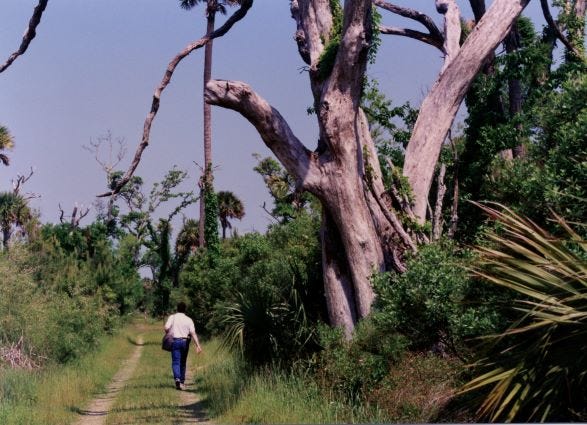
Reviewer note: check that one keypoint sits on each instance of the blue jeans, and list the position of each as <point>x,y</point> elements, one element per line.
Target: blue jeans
<point>179,356</point>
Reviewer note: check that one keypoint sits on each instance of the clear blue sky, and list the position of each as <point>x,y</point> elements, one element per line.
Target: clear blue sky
<point>94,65</point>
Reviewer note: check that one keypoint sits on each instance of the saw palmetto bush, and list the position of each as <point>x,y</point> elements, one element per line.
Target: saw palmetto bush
<point>537,369</point>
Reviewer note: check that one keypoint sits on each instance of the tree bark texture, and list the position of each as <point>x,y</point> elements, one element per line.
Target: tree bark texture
<point>440,106</point>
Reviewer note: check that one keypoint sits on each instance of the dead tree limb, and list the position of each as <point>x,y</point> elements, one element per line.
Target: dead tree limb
<point>434,36</point>
<point>20,180</point>
<point>236,16</point>
<point>29,34</point>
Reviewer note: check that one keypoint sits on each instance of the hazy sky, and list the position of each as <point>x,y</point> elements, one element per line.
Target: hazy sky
<point>94,65</point>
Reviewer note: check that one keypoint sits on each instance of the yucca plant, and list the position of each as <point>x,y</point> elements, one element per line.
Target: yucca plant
<point>537,368</point>
<point>265,327</point>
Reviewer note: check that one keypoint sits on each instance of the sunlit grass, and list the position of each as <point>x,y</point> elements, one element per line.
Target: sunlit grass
<point>56,394</point>
<point>236,396</point>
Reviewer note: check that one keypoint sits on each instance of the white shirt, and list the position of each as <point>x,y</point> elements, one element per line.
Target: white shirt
<point>181,325</point>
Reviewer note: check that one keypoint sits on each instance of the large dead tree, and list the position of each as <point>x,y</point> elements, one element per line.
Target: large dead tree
<point>361,234</point>
<point>440,106</point>
<point>336,172</point>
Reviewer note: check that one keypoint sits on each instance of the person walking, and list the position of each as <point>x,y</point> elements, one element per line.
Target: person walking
<point>183,330</point>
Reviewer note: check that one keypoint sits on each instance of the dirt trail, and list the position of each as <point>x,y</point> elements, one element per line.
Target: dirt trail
<point>192,409</point>
<point>96,412</point>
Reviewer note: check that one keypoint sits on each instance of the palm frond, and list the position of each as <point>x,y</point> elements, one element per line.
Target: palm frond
<point>540,374</point>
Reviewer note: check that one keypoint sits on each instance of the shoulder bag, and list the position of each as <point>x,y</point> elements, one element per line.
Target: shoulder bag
<point>167,342</point>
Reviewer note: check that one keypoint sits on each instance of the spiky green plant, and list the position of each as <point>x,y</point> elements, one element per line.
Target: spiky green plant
<point>538,367</point>
<point>6,142</point>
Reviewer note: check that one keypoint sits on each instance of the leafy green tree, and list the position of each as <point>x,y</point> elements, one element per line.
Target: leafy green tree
<point>229,207</point>
<point>138,217</point>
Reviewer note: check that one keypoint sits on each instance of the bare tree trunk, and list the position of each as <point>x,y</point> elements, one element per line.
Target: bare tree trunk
<point>338,287</point>
<point>440,106</point>
<point>207,172</point>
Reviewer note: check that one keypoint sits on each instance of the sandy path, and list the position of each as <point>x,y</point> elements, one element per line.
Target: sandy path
<point>96,412</point>
<point>191,406</point>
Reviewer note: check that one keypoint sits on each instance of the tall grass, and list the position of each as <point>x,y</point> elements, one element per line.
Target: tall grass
<point>55,395</point>
<point>235,394</point>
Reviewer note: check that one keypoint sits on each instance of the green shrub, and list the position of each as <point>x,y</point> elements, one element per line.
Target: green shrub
<point>436,304</point>
<point>265,290</point>
<point>353,367</point>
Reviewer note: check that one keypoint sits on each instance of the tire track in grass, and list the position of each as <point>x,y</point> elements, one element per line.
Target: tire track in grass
<point>192,407</point>
<point>97,410</point>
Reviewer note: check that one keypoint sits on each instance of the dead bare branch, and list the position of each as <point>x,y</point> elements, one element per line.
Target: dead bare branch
<point>20,180</point>
<point>434,36</point>
<point>116,151</point>
<point>236,16</point>
<point>29,34</point>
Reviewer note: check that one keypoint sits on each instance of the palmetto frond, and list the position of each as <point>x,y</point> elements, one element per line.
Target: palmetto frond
<point>218,5</point>
<point>188,4</point>
<point>542,373</point>
<point>6,142</point>
<point>229,206</point>
<point>4,159</point>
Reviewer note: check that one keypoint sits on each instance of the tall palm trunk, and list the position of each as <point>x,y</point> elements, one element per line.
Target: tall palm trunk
<point>207,173</point>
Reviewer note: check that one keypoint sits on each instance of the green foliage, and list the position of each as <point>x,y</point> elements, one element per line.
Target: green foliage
<point>435,304</point>
<point>264,289</point>
<point>49,308</point>
<point>64,252</point>
<point>553,175</point>
<point>211,222</point>
<point>6,142</point>
<point>229,207</point>
<point>328,55</point>
<point>353,368</point>
<point>288,201</point>
<point>536,369</point>
<point>14,212</point>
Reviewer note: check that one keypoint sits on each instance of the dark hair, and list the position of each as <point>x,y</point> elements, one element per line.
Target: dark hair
<point>181,307</point>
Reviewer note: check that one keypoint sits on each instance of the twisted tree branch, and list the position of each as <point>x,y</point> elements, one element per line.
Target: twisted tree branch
<point>29,34</point>
<point>272,127</point>
<point>434,37</point>
<point>236,16</point>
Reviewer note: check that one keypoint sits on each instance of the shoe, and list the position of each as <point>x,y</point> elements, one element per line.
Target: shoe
<point>182,386</point>
<point>178,385</point>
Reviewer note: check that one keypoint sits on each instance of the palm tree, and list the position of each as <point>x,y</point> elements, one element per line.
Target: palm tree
<point>6,142</point>
<point>188,238</point>
<point>14,211</point>
<point>187,242</point>
<point>229,206</point>
<point>212,7</point>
